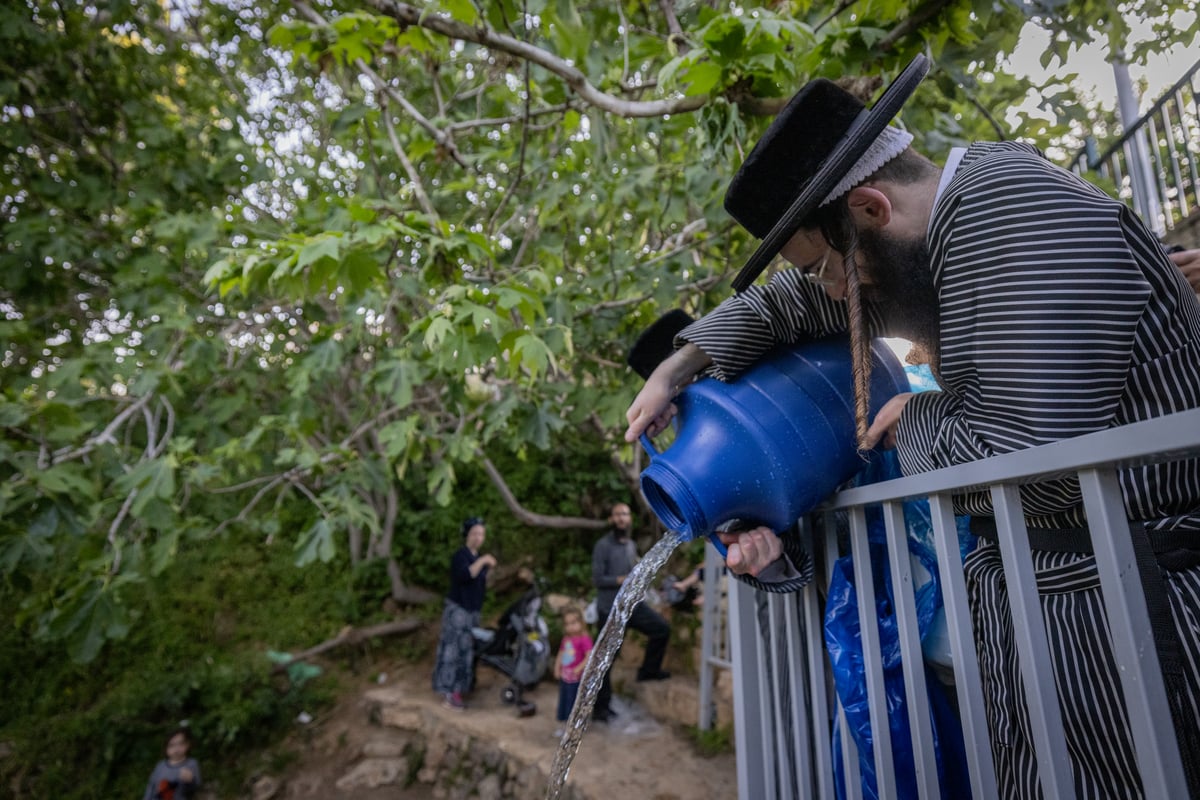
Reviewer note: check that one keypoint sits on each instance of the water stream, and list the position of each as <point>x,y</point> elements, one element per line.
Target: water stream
<point>632,591</point>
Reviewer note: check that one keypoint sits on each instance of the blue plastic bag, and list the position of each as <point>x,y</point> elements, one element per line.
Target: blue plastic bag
<point>844,642</point>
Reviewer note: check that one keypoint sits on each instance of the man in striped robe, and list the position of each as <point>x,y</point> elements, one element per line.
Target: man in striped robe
<point>1048,311</point>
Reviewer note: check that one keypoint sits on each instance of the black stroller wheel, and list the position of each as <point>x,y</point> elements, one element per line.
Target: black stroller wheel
<point>508,695</point>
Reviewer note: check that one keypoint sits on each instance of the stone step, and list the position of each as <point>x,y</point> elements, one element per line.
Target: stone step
<point>490,753</point>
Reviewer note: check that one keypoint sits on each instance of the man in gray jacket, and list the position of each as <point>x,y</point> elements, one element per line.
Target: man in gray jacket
<point>612,558</point>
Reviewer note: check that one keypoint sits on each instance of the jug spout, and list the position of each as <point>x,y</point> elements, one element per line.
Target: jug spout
<point>673,501</point>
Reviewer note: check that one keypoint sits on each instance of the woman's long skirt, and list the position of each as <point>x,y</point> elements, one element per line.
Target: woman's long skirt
<point>456,650</point>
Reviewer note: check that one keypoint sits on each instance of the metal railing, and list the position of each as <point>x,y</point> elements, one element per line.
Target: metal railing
<point>783,702</point>
<point>1154,165</point>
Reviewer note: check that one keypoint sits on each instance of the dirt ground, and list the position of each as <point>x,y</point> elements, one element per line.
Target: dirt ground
<point>635,757</point>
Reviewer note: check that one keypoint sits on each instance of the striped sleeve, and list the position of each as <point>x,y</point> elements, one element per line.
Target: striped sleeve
<point>786,310</point>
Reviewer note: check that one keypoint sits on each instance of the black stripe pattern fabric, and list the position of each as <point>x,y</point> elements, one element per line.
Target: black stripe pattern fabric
<point>1097,729</point>
<point>1060,315</point>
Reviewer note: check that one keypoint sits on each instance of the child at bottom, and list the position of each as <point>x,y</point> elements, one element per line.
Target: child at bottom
<point>176,777</point>
<point>568,666</point>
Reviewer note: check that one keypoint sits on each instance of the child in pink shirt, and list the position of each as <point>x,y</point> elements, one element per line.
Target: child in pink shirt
<point>568,666</point>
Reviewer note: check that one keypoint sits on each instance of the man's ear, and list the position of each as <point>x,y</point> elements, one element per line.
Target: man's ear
<point>869,208</point>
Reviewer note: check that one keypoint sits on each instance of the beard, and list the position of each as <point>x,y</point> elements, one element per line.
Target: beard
<point>901,286</point>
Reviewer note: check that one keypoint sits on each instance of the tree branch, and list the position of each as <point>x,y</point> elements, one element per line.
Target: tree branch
<point>411,15</point>
<point>677,37</point>
<point>841,6</point>
<point>441,137</point>
<point>351,635</point>
<point>529,517</point>
<point>494,121</point>
<point>398,149</point>
<point>1001,134</point>
<point>104,437</point>
<point>915,20</point>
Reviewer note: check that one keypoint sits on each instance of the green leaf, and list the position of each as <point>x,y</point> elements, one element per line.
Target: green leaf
<point>482,318</point>
<point>439,328</point>
<point>164,549</point>
<point>539,425</point>
<point>67,479</point>
<point>396,437</point>
<point>461,10</point>
<point>323,247</point>
<point>154,478</point>
<point>702,78</point>
<point>315,544</point>
<point>91,614</point>
<point>532,353</point>
<point>725,35</point>
<point>26,548</point>
<point>324,358</point>
<point>440,483</point>
<point>361,270</point>
<point>12,414</point>
<point>395,379</point>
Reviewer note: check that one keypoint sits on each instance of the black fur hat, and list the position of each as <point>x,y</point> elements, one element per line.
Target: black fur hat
<point>657,342</point>
<point>806,152</point>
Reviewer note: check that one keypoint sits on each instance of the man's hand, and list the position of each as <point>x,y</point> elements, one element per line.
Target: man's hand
<point>752,551</point>
<point>884,426</point>
<point>186,775</point>
<point>652,410</point>
<point>1188,262</point>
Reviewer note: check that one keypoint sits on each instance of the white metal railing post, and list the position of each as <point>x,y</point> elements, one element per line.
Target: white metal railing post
<point>967,680</point>
<point>1133,638</point>
<point>776,641</point>
<point>1145,196</point>
<point>743,630</point>
<point>1033,649</point>
<point>913,663</point>
<point>850,755</point>
<point>710,658</point>
<point>817,672</point>
<point>800,715</point>
<point>864,587</point>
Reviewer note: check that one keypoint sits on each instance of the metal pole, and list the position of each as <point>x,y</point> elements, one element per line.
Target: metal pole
<point>1145,198</point>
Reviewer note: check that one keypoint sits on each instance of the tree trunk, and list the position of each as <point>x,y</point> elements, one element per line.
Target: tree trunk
<point>406,595</point>
<point>351,635</point>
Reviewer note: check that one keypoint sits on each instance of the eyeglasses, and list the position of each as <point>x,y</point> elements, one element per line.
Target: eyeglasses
<point>815,272</point>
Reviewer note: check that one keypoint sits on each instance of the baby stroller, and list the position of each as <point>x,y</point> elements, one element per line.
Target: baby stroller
<point>519,648</point>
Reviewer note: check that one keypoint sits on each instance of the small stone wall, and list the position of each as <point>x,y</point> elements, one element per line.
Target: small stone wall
<point>455,763</point>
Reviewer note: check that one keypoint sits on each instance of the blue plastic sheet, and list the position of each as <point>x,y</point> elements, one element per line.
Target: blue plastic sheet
<point>844,642</point>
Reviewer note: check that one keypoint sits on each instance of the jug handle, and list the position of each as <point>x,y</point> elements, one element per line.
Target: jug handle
<point>648,445</point>
<point>717,543</point>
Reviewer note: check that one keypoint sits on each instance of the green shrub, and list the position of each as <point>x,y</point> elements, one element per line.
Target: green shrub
<point>711,742</point>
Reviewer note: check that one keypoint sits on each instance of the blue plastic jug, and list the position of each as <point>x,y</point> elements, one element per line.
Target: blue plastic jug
<point>768,447</point>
